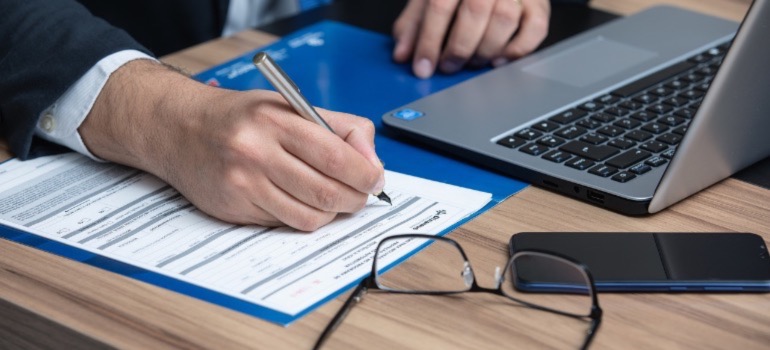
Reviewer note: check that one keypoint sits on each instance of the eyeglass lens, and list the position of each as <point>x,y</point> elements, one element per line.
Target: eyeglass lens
<point>548,281</point>
<point>534,278</point>
<point>439,266</point>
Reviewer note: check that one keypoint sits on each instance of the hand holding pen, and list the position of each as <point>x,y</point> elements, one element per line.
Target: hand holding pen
<point>286,87</point>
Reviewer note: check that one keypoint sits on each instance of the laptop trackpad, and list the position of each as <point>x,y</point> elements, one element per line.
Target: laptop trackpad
<point>589,62</point>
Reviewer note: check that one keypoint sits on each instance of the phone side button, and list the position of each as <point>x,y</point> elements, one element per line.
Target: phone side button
<point>678,289</point>
<point>723,289</point>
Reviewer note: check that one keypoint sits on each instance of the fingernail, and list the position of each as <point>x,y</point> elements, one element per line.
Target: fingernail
<point>499,62</point>
<point>379,186</point>
<point>376,161</point>
<point>423,68</point>
<point>450,66</point>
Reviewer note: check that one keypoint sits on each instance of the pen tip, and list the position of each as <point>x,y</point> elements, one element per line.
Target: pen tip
<point>384,197</point>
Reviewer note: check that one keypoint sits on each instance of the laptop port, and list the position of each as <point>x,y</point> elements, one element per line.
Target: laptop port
<point>595,196</point>
<point>550,184</point>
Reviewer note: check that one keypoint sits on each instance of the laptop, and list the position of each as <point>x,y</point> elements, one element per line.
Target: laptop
<point>634,115</point>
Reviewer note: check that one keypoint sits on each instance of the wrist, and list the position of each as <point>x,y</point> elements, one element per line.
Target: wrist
<point>144,109</point>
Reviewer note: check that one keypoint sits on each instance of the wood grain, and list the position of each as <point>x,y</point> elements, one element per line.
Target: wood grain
<point>50,302</point>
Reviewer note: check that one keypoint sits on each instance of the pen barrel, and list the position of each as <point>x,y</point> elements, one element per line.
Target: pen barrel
<point>286,87</point>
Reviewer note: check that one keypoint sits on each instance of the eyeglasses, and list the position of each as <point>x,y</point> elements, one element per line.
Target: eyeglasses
<point>540,280</point>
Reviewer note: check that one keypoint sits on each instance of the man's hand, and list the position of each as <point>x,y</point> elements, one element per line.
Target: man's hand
<point>482,32</point>
<point>243,157</point>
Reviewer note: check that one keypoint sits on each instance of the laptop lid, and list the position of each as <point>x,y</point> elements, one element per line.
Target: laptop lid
<point>730,130</point>
<point>469,118</point>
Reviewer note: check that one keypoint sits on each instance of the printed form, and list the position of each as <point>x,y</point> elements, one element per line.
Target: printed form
<point>135,218</point>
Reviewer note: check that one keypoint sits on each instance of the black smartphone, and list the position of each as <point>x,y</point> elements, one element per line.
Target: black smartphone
<point>655,262</point>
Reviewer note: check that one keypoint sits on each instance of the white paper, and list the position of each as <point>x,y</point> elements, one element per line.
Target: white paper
<point>135,218</point>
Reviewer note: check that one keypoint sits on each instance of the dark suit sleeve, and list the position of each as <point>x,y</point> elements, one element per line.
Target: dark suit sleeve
<point>45,46</point>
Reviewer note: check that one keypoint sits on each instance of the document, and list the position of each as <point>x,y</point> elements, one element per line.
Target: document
<point>135,218</point>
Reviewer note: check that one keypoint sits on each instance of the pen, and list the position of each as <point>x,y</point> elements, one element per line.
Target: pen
<point>286,87</point>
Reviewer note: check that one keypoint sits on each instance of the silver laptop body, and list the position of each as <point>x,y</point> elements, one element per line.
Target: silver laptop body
<point>478,118</point>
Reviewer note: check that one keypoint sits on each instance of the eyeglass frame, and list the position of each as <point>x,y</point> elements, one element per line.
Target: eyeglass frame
<point>370,282</point>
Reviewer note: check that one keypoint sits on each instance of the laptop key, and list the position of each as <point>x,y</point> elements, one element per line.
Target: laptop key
<point>603,117</point>
<point>593,138</point>
<point>702,86</point>
<point>624,176</point>
<point>587,150</point>
<point>676,101</point>
<point>685,113</point>
<point>528,134</point>
<point>650,80</point>
<point>655,161</point>
<point>611,131</point>
<point>571,132</point>
<point>511,141</point>
<point>616,111</point>
<point>654,146</point>
<point>680,130</point>
<point>550,141</point>
<point>579,163</point>
<point>568,116</point>
<point>661,91</point>
<point>603,170</point>
<point>591,106</point>
<point>622,143</point>
<point>627,123</point>
<point>557,156</point>
<point>692,77</point>
<point>692,94</point>
<point>645,116</point>
<point>589,123</point>
<point>671,120</point>
<point>677,84</point>
<point>640,168</point>
<point>655,128</point>
<point>660,108</point>
<point>669,153</point>
<point>631,105</point>
<point>533,149</point>
<point>646,98</point>
<point>607,99</point>
<point>628,158</point>
<point>670,138</point>
<point>545,126</point>
<point>638,135</point>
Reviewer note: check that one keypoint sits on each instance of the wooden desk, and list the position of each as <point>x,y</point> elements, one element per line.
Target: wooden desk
<point>48,301</point>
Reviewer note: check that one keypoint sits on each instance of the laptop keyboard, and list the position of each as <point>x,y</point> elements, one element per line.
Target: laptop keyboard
<point>626,133</point>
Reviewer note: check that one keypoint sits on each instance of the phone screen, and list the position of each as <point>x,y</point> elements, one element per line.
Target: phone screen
<point>643,261</point>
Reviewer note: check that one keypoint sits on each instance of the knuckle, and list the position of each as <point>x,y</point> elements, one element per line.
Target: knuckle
<point>476,7</point>
<point>539,25</point>
<point>367,126</point>
<point>327,198</point>
<point>441,7</point>
<point>335,161</point>
<point>508,15</point>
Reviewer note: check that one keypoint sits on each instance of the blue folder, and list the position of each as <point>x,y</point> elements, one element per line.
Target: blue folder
<point>338,67</point>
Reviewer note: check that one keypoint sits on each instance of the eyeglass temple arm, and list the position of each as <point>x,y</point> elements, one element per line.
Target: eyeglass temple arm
<point>354,298</point>
<point>595,323</point>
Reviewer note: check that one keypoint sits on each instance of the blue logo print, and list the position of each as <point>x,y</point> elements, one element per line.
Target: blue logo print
<point>408,114</point>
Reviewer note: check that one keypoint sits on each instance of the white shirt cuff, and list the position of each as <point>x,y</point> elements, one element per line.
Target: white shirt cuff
<point>59,123</point>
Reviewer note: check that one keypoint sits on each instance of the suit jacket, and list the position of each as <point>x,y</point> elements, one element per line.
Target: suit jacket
<point>47,45</point>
